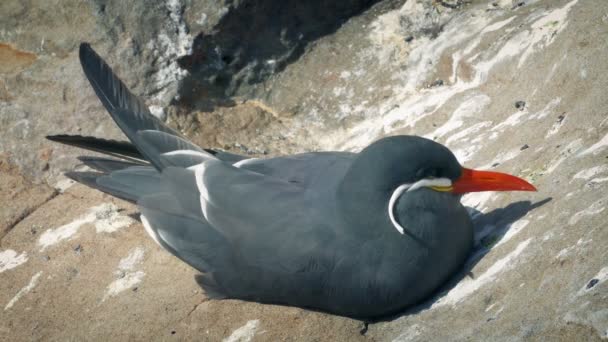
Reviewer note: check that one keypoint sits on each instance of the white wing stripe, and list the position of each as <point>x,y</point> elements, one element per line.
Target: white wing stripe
<point>244,161</point>
<point>203,155</point>
<point>199,173</point>
<point>149,229</point>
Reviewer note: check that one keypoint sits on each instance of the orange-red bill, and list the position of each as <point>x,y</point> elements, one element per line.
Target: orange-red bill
<point>475,180</point>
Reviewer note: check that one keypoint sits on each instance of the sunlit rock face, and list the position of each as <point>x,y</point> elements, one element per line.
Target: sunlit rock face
<point>513,86</point>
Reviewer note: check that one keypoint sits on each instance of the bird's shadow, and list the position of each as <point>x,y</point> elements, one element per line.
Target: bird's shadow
<point>489,230</point>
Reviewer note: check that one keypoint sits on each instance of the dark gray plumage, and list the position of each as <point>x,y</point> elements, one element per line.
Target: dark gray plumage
<point>310,230</point>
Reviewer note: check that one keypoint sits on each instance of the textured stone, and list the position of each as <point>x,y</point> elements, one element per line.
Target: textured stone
<point>19,197</point>
<point>538,271</point>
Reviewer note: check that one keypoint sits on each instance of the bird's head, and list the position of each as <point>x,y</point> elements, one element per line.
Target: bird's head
<point>402,165</point>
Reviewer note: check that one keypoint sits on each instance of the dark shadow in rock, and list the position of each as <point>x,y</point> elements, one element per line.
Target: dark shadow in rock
<point>255,39</point>
<point>489,229</point>
<point>135,216</point>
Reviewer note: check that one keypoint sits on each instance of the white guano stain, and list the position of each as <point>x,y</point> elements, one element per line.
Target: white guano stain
<point>520,116</point>
<point>513,120</point>
<point>545,29</point>
<point>468,286</point>
<point>29,287</point>
<point>173,41</point>
<point>64,184</point>
<point>158,112</point>
<point>106,219</point>
<point>594,209</point>
<point>244,333</point>
<point>565,153</point>
<point>127,276</point>
<point>462,135</point>
<point>547,110</point>
<point>596,148</point>
<point>468,108</point>
<point>562,254</point>
<point>135,257</point>
<point>556,127</point>
<point>590,173</point>
<point>411,102</point>
<point>126,282</point>
<point>202,19</point>
<point>10,259</point>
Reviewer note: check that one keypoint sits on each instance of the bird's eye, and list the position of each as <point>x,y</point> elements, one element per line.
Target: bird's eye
<point>427,173</point>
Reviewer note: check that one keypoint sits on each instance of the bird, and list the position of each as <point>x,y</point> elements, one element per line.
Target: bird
<point>357,234</point>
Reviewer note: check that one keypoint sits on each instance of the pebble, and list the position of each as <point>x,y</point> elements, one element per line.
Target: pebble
<point>592,283</point>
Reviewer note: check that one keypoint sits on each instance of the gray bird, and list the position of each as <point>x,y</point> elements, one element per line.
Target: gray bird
<point>362,234</point>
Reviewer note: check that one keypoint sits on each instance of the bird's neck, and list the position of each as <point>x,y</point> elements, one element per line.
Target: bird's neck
<point>363,209</point>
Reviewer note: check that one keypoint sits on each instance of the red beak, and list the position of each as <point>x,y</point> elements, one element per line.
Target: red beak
<point>474,180</point>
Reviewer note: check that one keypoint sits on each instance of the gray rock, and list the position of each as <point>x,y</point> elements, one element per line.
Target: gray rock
<point>538,271</point>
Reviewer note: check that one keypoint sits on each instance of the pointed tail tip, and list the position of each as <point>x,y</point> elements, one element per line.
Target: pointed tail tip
<point>85,46</point>
<point>53,137</point>
<point>62,137</point>
<point>85,51</point>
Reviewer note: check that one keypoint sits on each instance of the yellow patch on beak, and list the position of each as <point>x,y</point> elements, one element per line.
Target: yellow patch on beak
<point>442,188</point>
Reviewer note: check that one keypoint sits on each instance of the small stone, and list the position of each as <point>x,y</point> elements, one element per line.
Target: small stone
<point>592,283</point>
<point>409,38</point>
<point>436,83</point>
<point>495,164</point>
<point>72,273</point>
<point>525,147</point>
<point>135,289</point>
<point>173,332</point>
<point>518,4</point>
<point>520,105</point>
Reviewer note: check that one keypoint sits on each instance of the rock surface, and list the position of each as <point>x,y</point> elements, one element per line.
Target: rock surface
<point>516,86</point>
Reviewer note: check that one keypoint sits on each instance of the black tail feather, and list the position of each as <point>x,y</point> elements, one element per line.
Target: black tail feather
<point>120,149</point>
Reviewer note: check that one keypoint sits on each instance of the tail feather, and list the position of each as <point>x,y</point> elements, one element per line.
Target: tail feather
<point>128,111</point>
<point>148,134</point>
<point>119,149</point>
<point>106,165</point>
<point>115,96</point>
<point>90,179</point>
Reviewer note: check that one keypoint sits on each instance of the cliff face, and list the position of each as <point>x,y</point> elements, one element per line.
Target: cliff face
<point>518,87</point>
